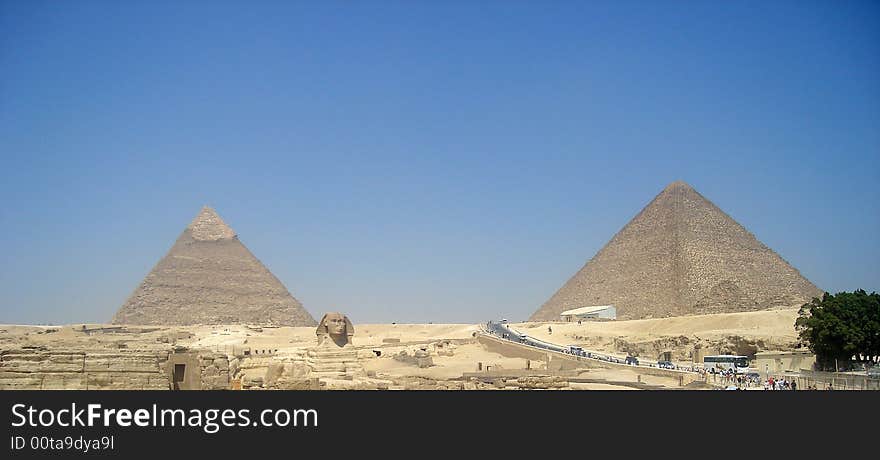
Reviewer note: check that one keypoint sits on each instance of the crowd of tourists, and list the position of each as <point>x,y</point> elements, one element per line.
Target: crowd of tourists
<point>753,381</point>
<point>785,384</point>
<point>731,378</point>
<point>780,384</point>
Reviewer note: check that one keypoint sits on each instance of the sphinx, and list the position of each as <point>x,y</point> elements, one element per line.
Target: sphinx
<point>334,329</point>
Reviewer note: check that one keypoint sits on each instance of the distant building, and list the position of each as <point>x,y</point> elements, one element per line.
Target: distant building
<point>589,313</point>
<point>770,362</point>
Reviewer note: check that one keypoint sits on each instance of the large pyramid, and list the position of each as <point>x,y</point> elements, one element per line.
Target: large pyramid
<point>681,255</point>
<point>210,277</point>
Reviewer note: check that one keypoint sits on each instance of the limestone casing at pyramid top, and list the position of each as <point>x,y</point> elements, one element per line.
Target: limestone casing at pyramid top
<point>678,184</point>
<point>208,226</point>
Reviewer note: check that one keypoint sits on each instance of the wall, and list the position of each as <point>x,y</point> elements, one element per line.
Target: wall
<point>38,369</point>
<point>781,362</point>
<point>562,361</point>
<point>43,369</point>
<point>192,377</point>
<point>214,368</point>
<point>510,350</point>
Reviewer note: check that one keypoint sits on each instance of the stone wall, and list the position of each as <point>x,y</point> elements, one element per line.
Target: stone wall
<point>27,369</point>
<point>43,369</point>
<point>511,350</point>
<point>537,382</point>
<point>214,368</point>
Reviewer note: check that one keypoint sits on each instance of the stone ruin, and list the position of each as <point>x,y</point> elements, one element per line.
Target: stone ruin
<point>52,369</point>
<point>684,348</point>
<point>444,348</point>
<point>531,382</point>
<point>331,364</point>
<point>333,358</point>
<point>538,382</point>
<point>421,357</point>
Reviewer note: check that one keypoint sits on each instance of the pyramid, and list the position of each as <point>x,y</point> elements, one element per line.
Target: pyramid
<point>681,255</point>
<point>210,277</point>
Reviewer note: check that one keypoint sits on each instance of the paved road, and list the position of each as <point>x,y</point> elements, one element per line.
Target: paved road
<point>503,331</point>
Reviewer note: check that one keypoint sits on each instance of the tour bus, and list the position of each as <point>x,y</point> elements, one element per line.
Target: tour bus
<point>721,363</point>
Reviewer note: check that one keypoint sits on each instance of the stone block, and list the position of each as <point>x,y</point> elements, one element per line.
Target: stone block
<point>25,382</point>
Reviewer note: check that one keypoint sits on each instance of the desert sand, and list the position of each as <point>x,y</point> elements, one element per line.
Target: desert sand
<point>766,330</point>
<point>455,354</point>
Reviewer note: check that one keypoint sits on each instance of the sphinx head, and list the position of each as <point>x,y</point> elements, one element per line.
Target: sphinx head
<point>336,327</point>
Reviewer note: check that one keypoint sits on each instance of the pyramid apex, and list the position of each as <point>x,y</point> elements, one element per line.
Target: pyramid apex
<point>209,226</point>
<point>679,184</point>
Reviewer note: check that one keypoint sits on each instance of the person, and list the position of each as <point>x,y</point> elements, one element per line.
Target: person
<point>793,385</point>
<point>549,330</point>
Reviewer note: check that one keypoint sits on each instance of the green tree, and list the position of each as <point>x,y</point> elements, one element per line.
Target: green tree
<point>842,327</point>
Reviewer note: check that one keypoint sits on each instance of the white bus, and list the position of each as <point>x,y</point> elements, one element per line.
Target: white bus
<point>721,363</point>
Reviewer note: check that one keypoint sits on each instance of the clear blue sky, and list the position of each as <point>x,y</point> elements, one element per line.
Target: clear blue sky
<point>418,161</point>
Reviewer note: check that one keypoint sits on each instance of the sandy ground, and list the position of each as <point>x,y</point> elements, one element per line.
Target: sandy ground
<point>390,339</point>
<point>759,324</point>
<point>736,333</point>
<point>598,386</point>
<point>464,360</point>
<point>221,338</point>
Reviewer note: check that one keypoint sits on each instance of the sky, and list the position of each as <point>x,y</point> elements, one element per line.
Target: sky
<point>417,161</point>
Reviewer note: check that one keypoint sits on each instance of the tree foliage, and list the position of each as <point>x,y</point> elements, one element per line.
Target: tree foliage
<point>841,327</point>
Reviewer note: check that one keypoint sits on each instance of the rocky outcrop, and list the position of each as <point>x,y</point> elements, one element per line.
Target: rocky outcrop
<point>539,382</point>
<point>420,357</point>
<point>687,349</point>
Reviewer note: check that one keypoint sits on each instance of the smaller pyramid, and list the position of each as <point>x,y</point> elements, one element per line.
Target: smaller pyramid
<point>210,277</point>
